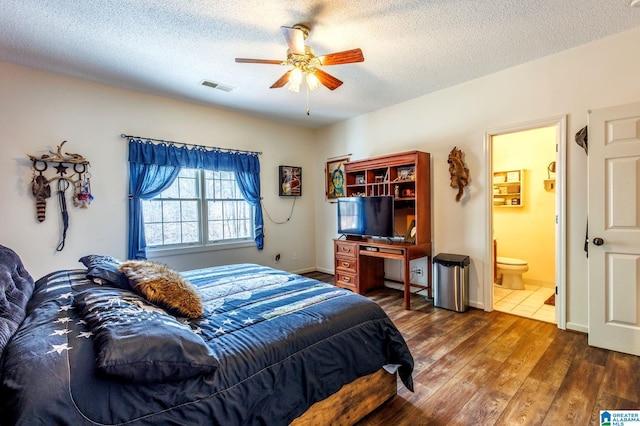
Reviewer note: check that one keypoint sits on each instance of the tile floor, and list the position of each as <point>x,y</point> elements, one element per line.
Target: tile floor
<point>527,303</point>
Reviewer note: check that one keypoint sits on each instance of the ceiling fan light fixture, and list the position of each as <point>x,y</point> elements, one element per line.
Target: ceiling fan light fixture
<point>304,62</point>
<point>295,80</point>
<point>312,81</point>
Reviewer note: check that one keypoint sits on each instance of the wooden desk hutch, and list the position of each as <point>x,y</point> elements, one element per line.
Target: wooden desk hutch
<point>359,262</point>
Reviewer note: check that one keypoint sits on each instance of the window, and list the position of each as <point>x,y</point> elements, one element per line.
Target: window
<point>184,215</point>
<point>174,218</point>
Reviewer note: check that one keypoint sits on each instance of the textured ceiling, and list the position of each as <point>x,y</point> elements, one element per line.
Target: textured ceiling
<point>411,48</point>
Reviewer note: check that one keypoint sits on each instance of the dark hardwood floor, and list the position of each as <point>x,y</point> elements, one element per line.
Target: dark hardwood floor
<point>480,368</point>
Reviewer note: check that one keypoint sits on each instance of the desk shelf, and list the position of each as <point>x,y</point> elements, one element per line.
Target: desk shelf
<point>406,177</point>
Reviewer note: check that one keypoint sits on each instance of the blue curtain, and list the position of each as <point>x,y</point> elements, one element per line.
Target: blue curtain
<point>249,184</point>
<point>145,182</point>
<point>154,167</point>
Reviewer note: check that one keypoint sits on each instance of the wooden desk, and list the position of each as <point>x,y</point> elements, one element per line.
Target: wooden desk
<point>359,264</point>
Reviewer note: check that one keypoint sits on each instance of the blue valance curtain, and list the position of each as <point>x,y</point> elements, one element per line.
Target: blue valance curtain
<point>154,167</point>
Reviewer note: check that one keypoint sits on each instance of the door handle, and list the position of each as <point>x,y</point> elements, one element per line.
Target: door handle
<point>598,241</point>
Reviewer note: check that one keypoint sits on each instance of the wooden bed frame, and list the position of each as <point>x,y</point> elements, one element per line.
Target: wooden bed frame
<point>352,402</point>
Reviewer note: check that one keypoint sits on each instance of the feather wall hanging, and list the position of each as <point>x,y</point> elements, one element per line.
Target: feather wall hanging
<point>78,179</point>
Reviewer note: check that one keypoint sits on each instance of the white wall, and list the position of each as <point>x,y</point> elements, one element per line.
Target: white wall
<point>599,74</point>
<point>39,110</point>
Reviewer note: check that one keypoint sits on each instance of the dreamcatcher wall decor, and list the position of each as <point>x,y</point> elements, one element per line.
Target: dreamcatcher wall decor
<point>72,171</point>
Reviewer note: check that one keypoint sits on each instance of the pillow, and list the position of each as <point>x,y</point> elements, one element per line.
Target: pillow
<point>139,342</point>
<point>104,270</point>
<point>164,286</point>
<point>16,288</point>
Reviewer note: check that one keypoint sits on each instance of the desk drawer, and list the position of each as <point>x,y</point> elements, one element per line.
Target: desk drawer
<point>346,264</point>
<point>346,280</point>
<point>345,248</point>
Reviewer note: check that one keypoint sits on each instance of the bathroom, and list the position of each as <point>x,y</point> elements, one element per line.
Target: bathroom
<point>524,222</point>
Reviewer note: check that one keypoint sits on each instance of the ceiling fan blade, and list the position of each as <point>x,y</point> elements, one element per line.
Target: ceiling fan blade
<point>295,39</point>
<point>329,81</point>
<point>258,61</point>
<point>346,57</point>
<point>282,80</point>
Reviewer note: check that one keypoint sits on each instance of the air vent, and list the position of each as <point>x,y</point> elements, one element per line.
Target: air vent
<point>215,85</point>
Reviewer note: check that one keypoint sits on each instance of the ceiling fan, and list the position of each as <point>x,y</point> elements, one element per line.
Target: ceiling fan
<point>304,62</point>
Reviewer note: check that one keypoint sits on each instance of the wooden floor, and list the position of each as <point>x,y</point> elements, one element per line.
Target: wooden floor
<point>480,368</point>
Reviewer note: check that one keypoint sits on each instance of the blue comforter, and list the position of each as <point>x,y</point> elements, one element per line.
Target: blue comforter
<point>281,342</point>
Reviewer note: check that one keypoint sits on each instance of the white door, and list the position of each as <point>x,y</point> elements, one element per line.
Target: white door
<point>614,228</point>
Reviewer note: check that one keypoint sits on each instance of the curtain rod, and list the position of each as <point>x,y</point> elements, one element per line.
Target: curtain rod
<point>213,148</point>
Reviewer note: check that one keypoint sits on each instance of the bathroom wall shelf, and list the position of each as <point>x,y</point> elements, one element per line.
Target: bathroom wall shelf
<point>507,188</point>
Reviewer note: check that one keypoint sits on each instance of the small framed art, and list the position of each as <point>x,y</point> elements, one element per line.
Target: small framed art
<point>406,173</point>
<point>290,181</point>
<point>335,178</point>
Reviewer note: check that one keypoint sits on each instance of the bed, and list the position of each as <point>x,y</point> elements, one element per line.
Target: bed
<point>272,348</point>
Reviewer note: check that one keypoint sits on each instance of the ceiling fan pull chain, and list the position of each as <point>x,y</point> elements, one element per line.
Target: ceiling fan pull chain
<point>308,110</point>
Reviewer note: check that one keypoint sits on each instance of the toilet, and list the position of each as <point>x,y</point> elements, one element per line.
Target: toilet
<point>510,272</point>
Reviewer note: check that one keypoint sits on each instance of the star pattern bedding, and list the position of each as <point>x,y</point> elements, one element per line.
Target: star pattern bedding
<point>273,343</point>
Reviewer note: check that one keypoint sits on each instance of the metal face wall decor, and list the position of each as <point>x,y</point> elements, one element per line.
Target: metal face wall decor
<point>290,181</point>
<point>335,177</point>
<point>78,178</point>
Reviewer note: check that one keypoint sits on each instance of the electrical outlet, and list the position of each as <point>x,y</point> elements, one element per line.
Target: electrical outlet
<point>417,271</point>
<point>277,258</point>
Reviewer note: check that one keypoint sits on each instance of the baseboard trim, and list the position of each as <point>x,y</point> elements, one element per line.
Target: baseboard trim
<point>304,271</point>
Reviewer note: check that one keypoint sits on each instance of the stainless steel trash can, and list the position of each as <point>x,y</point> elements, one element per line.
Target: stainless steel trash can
<point>451,281</point>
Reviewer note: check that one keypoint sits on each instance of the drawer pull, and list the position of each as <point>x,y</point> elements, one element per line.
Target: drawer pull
<point>346,264</point>
<point>346,248</point>
<point>346,279</point>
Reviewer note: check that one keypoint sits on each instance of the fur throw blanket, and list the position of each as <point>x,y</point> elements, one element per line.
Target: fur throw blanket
<point>16,288</point>
<point>162,285</point>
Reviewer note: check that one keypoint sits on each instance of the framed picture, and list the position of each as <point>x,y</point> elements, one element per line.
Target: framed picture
<point>335,178</point>
<point>290,181</point>
<point>406,173</point>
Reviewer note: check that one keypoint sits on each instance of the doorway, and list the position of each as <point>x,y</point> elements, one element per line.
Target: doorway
<point>529,182</point>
